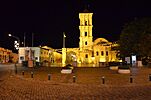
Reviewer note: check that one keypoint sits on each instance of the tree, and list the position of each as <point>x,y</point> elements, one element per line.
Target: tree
<point>136,38</point>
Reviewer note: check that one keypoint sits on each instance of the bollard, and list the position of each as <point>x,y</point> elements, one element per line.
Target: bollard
<point>32,74</point>
<point>49,76</point>
<point>149,77</point>
<point>23,73</point>
<point>131,79</point>
<point>74,78</point>
<point>103,80</point>
<point>15,69</point>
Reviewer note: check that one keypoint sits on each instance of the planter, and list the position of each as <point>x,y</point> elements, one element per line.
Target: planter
<point>66,71</point>
<point>113,67</point>
<point>124,71</point>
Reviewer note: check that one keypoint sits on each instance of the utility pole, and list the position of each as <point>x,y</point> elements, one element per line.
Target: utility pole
<point>32,39</point>
<point>24,39</point>
<point>64,36</point>
<point>64,50</point>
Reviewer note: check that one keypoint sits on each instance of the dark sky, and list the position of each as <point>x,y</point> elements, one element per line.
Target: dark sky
<point>49,19</point>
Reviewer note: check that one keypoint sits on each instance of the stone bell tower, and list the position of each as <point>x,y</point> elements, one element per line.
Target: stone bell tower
<point>86,38</point>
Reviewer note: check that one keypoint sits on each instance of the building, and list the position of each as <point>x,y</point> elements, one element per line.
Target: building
<point>7,56</point>
<point>29,53</point>
<point>89,51</point>
<point>39,54</point>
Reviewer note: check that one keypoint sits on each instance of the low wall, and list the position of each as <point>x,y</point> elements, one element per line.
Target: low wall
<point>124,71</point>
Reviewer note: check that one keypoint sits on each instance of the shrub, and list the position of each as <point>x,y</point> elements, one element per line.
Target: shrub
<point>113,63</point>
<point>68,66</point>
<point>124,67</point>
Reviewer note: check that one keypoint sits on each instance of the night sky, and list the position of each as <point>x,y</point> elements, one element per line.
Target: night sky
<point>47,20</point>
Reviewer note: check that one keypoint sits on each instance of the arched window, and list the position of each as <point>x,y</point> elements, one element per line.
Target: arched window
<point>107,53</point>
<point>86,34</point>
<point>86,56</point>
<point>97,53</point>
<point>92,53</point>
<point>86,23</point>
<point>86,43</point>
<point>102,53</point>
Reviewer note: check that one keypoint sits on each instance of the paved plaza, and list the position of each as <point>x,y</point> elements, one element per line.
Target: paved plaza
<point>88,84</point>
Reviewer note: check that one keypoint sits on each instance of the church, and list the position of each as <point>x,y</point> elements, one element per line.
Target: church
<point>94,52</point>
<point>90,52</point>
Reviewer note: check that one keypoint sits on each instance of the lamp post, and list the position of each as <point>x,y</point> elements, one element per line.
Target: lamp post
<point>24,39</point>
<point>64,51</point>
<point>10,35</point>
<point>64,36</point>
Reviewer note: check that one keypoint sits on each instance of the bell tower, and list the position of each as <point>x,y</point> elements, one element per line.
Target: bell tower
<point>86,38</point>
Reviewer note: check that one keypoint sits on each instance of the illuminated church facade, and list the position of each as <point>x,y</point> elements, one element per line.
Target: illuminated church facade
<point>89,51</point>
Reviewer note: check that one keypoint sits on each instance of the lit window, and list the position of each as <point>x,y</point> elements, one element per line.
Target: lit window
<point>86,56</point>
<point>107,53</point>
<point>102,53</point>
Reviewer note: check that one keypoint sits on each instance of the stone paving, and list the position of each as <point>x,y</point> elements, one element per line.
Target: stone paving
<point>88,85</point>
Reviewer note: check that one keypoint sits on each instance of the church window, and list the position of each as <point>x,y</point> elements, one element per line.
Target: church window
<point>97,53</point>
<point>92,53</point>
<point>86,56</point>
<point>86,43</point>
<point>86,23</point>
<point>85,33</point>
<point>107,53</point>
<point>102,53</point>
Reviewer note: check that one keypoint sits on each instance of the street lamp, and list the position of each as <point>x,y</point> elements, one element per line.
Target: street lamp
<point>64,50</point>
<point>64,36</point>
<point>10,35</point>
